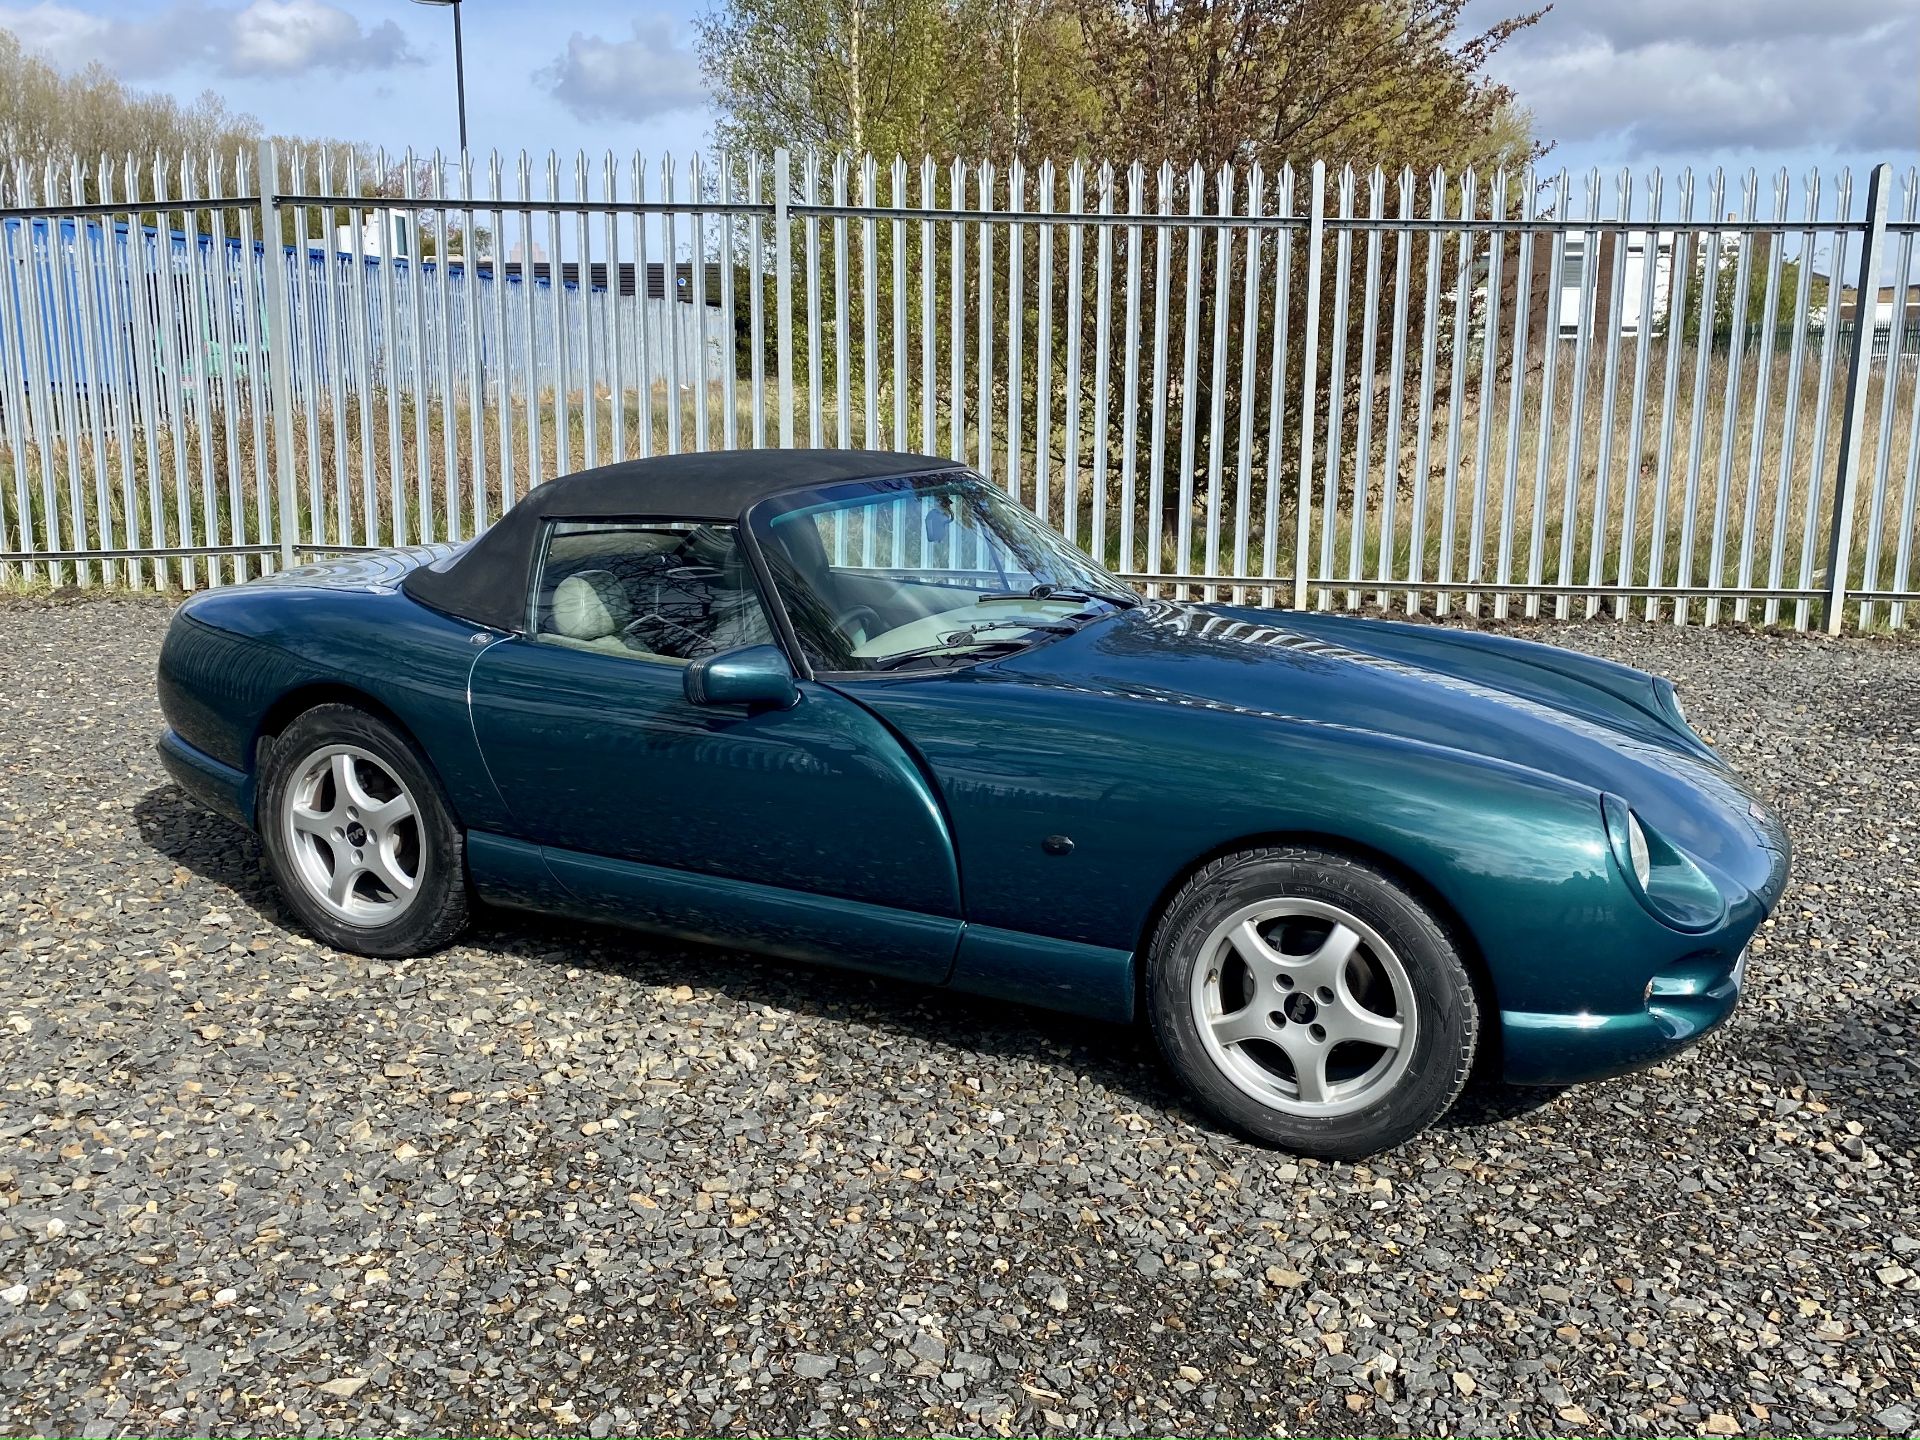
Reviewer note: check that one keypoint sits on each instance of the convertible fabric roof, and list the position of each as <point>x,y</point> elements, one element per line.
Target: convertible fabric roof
<point>487,581</point>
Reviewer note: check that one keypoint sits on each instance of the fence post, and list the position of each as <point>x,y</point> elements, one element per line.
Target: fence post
<point>278,347</point>
<point>1309,381</point>
<point>1866,294</point>
<point>783,288</point>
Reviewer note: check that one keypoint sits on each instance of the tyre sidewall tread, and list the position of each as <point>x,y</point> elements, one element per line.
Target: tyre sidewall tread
<point>440,911</point>
<point>1448,1009</point>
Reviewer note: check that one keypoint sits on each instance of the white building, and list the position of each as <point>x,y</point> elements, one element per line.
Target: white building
<point>382,233</point>
<point>1632,248</point>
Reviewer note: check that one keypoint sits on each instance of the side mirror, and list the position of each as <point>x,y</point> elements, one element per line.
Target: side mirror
<point>758,675</point>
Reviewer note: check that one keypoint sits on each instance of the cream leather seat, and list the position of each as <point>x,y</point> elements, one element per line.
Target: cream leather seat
<point>590,610</point>
<point>594,610</point>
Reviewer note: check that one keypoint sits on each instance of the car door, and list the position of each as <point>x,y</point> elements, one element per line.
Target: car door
<point>812,821</point>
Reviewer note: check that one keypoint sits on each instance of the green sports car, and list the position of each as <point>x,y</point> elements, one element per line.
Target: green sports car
<point>863,709</point>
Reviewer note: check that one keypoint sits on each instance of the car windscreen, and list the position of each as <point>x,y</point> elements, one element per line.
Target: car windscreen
<point>928,570</point>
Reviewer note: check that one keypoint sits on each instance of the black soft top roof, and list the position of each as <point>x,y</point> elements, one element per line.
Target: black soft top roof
<point>487,581</point>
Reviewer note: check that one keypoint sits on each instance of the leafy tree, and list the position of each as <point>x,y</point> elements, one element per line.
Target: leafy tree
<point>1387,82</point>
<point>47,118</point>
<point>1021,79</point>
<point>1719,330</point>
<point>863,75</point>
<point>1233,81</point>
<point>1208,82</point>
<point>63,123</point>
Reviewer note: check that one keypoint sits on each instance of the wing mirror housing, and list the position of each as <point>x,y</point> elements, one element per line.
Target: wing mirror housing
<point>758,677</point>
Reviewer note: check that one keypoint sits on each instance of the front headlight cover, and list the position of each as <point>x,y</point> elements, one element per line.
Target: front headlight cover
<point>1639,857</point>
<point>1674,890</point>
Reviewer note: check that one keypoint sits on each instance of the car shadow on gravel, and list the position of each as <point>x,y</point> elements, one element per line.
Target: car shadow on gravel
<point>1861,1065</point>
<point>1487,1103</point>
<point>1116,1056</point>
<point>211,846</point>
<point>1120,1058</point>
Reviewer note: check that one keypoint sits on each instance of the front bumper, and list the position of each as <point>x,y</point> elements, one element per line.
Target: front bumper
<point>216,785</point>
<point>1689,991</point>
<point>1684,1002</point>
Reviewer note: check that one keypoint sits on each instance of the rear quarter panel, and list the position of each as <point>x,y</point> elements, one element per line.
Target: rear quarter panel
<point>235,658</point>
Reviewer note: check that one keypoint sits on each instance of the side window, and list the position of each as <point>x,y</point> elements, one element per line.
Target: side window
<point>671,592</point>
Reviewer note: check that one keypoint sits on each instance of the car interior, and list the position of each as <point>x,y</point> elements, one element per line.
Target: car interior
<point>850,611</point>
<point>669,592</point>
<point>677,591</point>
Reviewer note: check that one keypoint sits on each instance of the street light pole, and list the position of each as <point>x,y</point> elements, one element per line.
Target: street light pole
<point>459,77</point>
<point>459,65</point>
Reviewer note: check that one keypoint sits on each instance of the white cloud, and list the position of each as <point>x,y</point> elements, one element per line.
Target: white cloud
<point>1715,76</point>
<point>634,79</point>
<point>287,36</point>
<point>260,38</point>
<point>61,33</point>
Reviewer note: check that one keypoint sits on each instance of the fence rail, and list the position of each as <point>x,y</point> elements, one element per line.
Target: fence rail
<point>1482,392</point>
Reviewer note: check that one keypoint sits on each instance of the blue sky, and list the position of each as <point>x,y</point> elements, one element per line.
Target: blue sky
<point>1612,82</point>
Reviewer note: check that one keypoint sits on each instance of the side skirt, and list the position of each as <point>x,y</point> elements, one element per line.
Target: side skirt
<point>1088,980</point>
<point>1005,964</point>
<point>707,908</point>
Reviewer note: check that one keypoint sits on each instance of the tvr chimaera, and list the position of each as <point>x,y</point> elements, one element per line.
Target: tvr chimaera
<point>865,709</point>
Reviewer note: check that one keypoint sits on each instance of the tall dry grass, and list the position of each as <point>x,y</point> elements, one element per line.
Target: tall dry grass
<point>1718,507</point>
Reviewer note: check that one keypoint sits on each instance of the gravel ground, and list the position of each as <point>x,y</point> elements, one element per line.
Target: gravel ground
<point>576,1180</point>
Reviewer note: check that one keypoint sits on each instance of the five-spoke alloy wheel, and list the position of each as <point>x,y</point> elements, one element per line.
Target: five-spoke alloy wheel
<point>359,837</point>
<point>1307,1009</point>
<point>354,834</point>
<point>1311,1001</point>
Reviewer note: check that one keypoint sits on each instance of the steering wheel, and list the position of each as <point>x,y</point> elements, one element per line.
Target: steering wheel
<point>864,617</point>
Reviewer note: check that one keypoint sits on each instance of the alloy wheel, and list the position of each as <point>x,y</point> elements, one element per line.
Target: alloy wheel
<point>1304,1007</point>
<point>352,830</point>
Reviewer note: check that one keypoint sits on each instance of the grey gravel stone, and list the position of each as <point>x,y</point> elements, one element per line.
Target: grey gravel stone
<point>567,1179</point>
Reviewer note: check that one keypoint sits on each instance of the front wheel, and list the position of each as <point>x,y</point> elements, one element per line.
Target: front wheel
<point>360,840</point>
<point>1311,1002</point>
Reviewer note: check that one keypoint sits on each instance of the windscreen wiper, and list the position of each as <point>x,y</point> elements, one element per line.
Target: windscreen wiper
<point>1062,592</point>
<point>893,662</point>
<point>968,639</point>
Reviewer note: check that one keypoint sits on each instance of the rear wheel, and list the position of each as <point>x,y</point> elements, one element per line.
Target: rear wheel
<point>359,837</point>
<point>1310,1001</point>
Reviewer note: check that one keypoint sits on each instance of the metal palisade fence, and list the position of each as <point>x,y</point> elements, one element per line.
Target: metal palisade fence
<point>1680,397</point>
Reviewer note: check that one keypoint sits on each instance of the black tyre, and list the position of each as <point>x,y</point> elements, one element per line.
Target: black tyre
<point>359,836</point>
<point>1311,1002</point>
